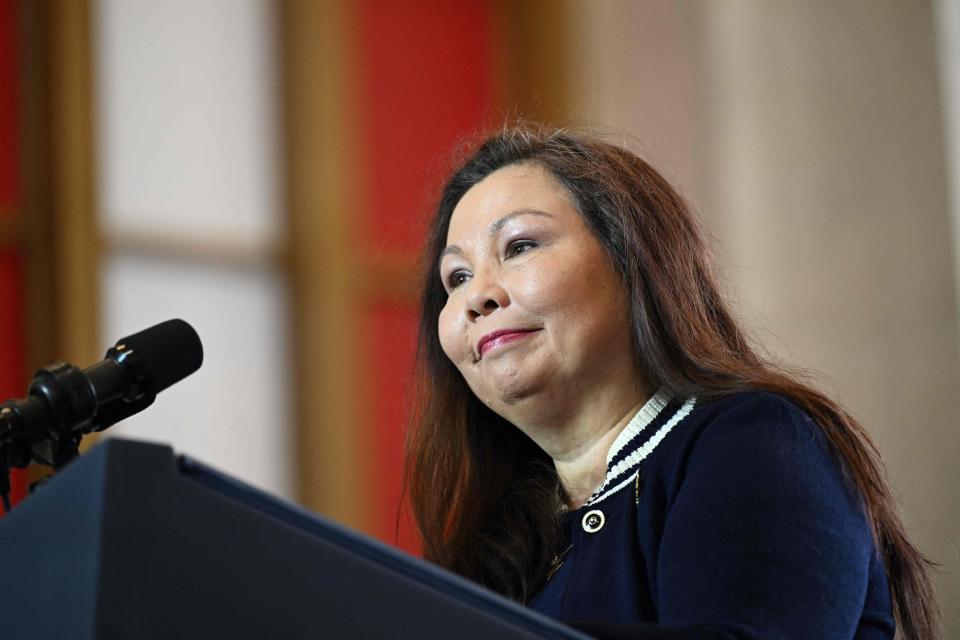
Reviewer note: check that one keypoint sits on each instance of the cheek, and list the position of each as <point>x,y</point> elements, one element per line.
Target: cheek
<point>557,290</point>
<point>449,335</point>
<point>583,298</point>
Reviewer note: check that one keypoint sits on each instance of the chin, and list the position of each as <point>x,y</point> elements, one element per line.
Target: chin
<point>508,384</point>
<point>519,392</point>
<point>502,396</point>
<point>513,396</point>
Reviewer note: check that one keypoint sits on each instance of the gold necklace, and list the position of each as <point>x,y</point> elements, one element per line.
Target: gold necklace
<point>557,562</point>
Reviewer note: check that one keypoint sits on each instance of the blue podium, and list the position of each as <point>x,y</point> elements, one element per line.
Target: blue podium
<point>134,542</point>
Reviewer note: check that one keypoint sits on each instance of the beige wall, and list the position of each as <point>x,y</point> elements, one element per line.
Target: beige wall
<point>634,69</point>
<point>809,134</point>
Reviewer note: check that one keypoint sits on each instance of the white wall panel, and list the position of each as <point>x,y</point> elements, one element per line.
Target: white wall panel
<point>186,103</point>
<point>187,143</point>
<point>232,413</point>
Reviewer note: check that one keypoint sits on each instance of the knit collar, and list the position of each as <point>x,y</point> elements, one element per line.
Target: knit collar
<point>638,439</point>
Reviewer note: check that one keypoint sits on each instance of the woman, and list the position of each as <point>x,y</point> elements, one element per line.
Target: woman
<point>596,437</point>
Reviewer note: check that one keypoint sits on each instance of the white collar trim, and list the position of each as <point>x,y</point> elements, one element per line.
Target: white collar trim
<point>633,459</point>
<point>647,414</point>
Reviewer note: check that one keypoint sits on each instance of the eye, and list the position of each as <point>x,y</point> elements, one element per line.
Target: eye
<point>517,247</point>
<point>456,279</point>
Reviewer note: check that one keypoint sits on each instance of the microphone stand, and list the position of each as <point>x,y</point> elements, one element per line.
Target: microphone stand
<point>49,432</point>
<point>5,487</point>
<point>17,450</point>
<point>64,403</point>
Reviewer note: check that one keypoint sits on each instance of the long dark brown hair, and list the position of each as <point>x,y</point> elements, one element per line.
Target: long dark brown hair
<point>486,498</point>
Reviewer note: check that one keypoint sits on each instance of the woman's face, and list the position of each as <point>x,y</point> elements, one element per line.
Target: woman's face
<point>536,315</point>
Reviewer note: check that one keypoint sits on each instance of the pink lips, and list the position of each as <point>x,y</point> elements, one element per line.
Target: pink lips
<point>497,338</point>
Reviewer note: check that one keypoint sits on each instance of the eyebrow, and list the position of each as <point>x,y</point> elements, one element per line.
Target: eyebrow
<point>495,228</point>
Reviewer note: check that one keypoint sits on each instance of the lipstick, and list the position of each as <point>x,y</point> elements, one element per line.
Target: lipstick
<point>501,337</point>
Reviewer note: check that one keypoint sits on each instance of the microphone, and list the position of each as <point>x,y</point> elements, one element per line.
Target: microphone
<point>65,403</point>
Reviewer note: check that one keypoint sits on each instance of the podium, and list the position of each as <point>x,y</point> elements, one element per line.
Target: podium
<point>134,542</point>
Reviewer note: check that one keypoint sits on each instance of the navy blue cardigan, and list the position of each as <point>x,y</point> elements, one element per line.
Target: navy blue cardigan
<point>728,519</point>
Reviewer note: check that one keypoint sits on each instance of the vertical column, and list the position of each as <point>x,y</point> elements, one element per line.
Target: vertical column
<point>75,241</point>
<point>947,19</point>
<point>320,187</point>
<point>831,199</point>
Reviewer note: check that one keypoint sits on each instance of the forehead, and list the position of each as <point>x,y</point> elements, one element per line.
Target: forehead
<point>512,188</point>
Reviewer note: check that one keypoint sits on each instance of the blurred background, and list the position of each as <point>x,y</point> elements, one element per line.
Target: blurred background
<point>264,170</point>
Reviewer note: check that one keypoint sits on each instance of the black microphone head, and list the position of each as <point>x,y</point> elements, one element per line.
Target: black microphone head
<point>170,351</point>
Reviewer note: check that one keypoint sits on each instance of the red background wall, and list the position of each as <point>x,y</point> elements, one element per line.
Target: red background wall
<point>426,81</point>
<point>12,365</point>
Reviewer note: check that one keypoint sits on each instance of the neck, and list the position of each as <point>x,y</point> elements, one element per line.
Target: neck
<point>579,444</point>
<point>582,468</point>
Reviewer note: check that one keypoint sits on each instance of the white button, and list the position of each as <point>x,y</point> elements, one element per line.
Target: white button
<point>593,521</point>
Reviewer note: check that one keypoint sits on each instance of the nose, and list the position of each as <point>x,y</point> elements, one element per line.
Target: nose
<point>485,297</point>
